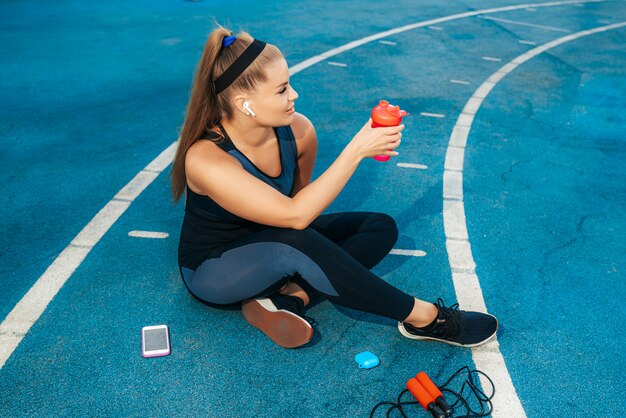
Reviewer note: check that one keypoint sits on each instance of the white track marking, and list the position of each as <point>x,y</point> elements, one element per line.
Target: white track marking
<point>521,41</point>
<point>432,115</point>
<point>359,42</point>
<point>466,284</point>
<point>21,318</point>
<point>472,106</point>
<point>148,234</point>
<point>19,321</point>
<point>411,253</point>
<point>29,308</point>
<point>459,136</point>
<point>494,59</point>
<point>435,28</point>
<point>416,166</point>
<point>459,82</point>
<point>455,212</point>
<point>532,25</point>
<point>387,43</point>
<point>136,185</point>
<point>454,159</point>
<point>337,64</point>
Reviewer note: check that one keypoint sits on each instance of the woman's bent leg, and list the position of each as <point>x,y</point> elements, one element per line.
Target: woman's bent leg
<point>253,265</point>
<point>366,236</point>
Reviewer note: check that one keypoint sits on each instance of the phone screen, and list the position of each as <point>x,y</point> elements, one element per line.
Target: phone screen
<point>156,339</point>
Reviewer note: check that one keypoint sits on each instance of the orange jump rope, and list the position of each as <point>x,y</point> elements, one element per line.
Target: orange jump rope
<point>428,395</point>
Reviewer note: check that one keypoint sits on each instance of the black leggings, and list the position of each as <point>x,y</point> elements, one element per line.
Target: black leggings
<point>333,256</point>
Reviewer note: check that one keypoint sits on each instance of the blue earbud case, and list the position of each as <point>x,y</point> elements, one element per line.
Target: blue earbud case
<point>366,360</point>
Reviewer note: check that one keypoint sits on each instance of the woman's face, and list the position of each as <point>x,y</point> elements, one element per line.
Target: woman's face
<point>273,101</point>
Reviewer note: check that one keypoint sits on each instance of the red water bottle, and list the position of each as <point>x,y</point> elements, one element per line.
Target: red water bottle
<point>386,115</point>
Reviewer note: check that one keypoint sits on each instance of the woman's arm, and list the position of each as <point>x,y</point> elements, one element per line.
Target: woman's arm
<point>213,172</point>
<point>313,198</point>
<point>306,141</point>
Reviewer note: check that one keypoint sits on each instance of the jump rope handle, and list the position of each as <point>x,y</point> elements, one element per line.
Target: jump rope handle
<point>424,398</point>
<point>434,391</point>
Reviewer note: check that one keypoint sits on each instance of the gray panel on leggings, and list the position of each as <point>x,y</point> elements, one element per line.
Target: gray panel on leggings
<point>245,271</point>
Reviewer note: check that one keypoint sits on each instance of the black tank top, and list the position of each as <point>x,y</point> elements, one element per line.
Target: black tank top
<point>207,227</point>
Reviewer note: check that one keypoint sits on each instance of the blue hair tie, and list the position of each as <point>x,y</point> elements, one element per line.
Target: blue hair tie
<point>228,40</point>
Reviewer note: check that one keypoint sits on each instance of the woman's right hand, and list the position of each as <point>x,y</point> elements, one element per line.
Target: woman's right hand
<point>369,141</point>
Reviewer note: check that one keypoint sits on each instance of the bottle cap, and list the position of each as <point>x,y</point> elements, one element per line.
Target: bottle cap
<point>387,115</point>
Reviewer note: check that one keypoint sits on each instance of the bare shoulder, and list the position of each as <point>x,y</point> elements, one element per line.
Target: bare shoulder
<point>304,132</point>
<point>213,172</point>
<point>301,125</point>
<point>204,157</point>
<point>203,151</point>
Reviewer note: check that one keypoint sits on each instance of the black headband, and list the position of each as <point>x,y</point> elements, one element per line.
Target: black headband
<point>242,62</point>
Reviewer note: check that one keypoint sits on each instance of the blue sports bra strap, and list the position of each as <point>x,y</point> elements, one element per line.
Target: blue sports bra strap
<point>287,138</point>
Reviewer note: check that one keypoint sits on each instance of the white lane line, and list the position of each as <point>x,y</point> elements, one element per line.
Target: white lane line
<point>359,42</point>
<point>387,43</point>
<point>148,234</point>
<point>136,185</point>
<point>521,41</point>
<point>532,25</point>
<point>494,59</point>
<point>487,357</point>
<point>416,166</point>
<point>432,115</point>
<point>454,159</point>
<point>454,212</point>
<point>435,28</point>
<point>459,136</point>
<point>17,323</point>
<point>411,253</point>
<point>28,310</point>
<point>459,82</point>
<point>337,64</point>
<point>472,106</point>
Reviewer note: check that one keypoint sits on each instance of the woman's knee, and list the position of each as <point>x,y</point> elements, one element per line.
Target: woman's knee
<point>385,224</point>
<point>294,237</point>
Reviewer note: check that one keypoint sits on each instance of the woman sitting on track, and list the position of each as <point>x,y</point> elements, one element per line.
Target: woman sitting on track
<point>253,232</point>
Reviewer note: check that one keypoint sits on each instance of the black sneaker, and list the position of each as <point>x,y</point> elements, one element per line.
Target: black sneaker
<point>280,317</point>
<point>452,326</point>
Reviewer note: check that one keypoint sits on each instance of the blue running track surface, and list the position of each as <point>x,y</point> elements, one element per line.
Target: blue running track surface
<point>92,92</point>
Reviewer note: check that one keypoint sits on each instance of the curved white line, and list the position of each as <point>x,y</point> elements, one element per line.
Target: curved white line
<point>351,45</point>
<point>28,310</point>
<point>487,357</point>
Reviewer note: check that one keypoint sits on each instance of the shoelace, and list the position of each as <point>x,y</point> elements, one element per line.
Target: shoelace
<point>451,327</point>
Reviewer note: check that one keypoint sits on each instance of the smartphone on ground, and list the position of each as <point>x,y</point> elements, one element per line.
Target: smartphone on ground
<point>155,341</point>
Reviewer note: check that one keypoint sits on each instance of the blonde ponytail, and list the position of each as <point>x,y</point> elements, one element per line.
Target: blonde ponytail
<point>205,109</point>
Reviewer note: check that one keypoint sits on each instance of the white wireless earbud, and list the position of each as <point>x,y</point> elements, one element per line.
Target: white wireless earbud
<point>246,106</point>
